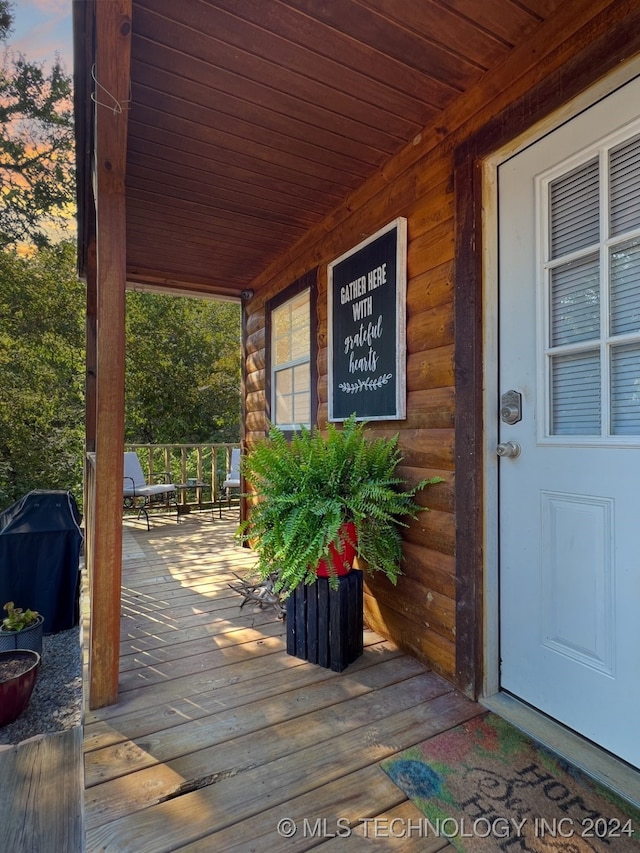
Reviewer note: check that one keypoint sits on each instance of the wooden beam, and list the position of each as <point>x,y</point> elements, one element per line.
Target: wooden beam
<point>91,348</point>
<point>469,437</point>
<point>90,412</point>
<point>111,95</point>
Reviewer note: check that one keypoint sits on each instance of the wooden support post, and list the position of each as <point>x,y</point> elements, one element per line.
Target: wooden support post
<point>113,48</point>
<point>91,356</point>
<point>91,349</point>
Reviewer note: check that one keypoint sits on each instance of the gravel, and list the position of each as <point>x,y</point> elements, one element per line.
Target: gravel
<point>56,701</point>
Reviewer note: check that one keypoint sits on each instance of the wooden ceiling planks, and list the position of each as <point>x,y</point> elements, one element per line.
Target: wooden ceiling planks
<point>505,19</point>
<point>206,186</point>
<point>347,136</point>
<point>226,207</point>
<point>224,244</point>
<point>298,78</point>
<point>284,150</point>
<point>376,71</point>
<point>168,145</point>
<point>462,37</point>
<point>185,262</point>
<point>251,121</point>
<point>541,8</point>
<point>204,220</point>
<point>426,54</point>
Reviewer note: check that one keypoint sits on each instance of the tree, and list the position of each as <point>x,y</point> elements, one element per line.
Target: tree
<point>42,369</point>
<point>6,19</point>
<point>37,178</point>
<point>183,355</point>
<point>182,370</point>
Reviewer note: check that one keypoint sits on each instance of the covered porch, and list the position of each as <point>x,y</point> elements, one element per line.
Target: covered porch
<point>236,150</point>
<point>230,149</point>
<point>219,734</point>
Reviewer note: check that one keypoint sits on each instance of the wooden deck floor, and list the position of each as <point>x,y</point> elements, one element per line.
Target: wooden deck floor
<point>219,735</point>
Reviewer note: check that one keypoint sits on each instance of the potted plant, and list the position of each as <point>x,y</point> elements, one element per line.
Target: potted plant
<point>324,491</point>
<point>21,629</point>
<point>18,674</point>
<point>320,500</point>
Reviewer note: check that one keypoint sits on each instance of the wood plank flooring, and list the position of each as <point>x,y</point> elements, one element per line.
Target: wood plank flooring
<point>41,802</point>
<point>219,735</point>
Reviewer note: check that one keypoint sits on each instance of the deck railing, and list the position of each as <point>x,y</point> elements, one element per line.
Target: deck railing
<point>203,463</point>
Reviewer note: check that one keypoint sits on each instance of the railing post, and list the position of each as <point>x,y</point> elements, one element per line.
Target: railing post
<point>183,464</point>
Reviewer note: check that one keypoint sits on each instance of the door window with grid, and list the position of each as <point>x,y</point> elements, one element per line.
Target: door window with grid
<point>590,227</point>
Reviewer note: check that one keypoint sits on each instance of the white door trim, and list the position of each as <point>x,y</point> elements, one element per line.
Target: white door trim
<point>604,87</point>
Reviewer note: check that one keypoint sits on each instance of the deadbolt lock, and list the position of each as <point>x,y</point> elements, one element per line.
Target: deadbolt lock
<point>511,407</point>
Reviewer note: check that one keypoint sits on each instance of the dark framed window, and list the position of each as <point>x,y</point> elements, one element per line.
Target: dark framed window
<point>291,353</point>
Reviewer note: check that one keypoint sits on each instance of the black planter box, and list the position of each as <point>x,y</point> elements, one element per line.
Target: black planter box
<point>325,625</point>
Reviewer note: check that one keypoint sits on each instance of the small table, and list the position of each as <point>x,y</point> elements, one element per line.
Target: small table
<point>199,488</point>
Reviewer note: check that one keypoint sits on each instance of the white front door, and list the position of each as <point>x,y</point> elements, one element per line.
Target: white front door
<point>569,308</point>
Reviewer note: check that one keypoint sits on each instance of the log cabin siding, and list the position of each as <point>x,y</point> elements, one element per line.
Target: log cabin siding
<point>427,613</point>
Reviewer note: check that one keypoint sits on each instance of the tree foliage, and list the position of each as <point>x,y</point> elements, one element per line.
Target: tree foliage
<point>37,176</point>
<point>6,19</point>
<point>42,368</point>
<point>182,370</point>
<point>183,355</point>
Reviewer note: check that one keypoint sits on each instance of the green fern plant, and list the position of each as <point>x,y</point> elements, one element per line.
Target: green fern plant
<point>308,488</point>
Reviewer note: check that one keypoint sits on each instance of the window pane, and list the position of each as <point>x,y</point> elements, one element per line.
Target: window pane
<point>302,395</point>
<point>284,381</point>
<point>301,378</point>
<point>624,163</point>
<point>575,209</point>
<point>575,394</point>
<point>625,288</point>
<point>280,321</point>
<point>625,390</point>
<point>283,410</point>
<point>300,311</point>
<point>284,395</point>
<point>575,302</point>
<point>302,409</point>
<point>300,342</point>
<point>282,351</point>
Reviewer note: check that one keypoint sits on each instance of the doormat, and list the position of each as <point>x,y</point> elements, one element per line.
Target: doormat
<point>486,787</point>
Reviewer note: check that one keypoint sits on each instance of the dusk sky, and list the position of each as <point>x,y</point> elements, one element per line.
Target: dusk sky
<point>41,29</point>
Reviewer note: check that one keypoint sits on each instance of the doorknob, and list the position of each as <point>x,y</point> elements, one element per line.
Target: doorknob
<point>508,449</point>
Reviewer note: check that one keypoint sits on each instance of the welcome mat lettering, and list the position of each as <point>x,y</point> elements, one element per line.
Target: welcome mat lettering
<point>485,786</point>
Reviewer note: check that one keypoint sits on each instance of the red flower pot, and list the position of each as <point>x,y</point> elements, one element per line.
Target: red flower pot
<point>342,561</point>
<point>15,690</point>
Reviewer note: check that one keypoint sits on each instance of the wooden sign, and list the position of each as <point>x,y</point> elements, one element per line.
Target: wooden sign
<point>367,328</point>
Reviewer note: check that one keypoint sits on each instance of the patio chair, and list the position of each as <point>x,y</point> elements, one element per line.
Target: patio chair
<point>140,495</point>
<point>232,480</point>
